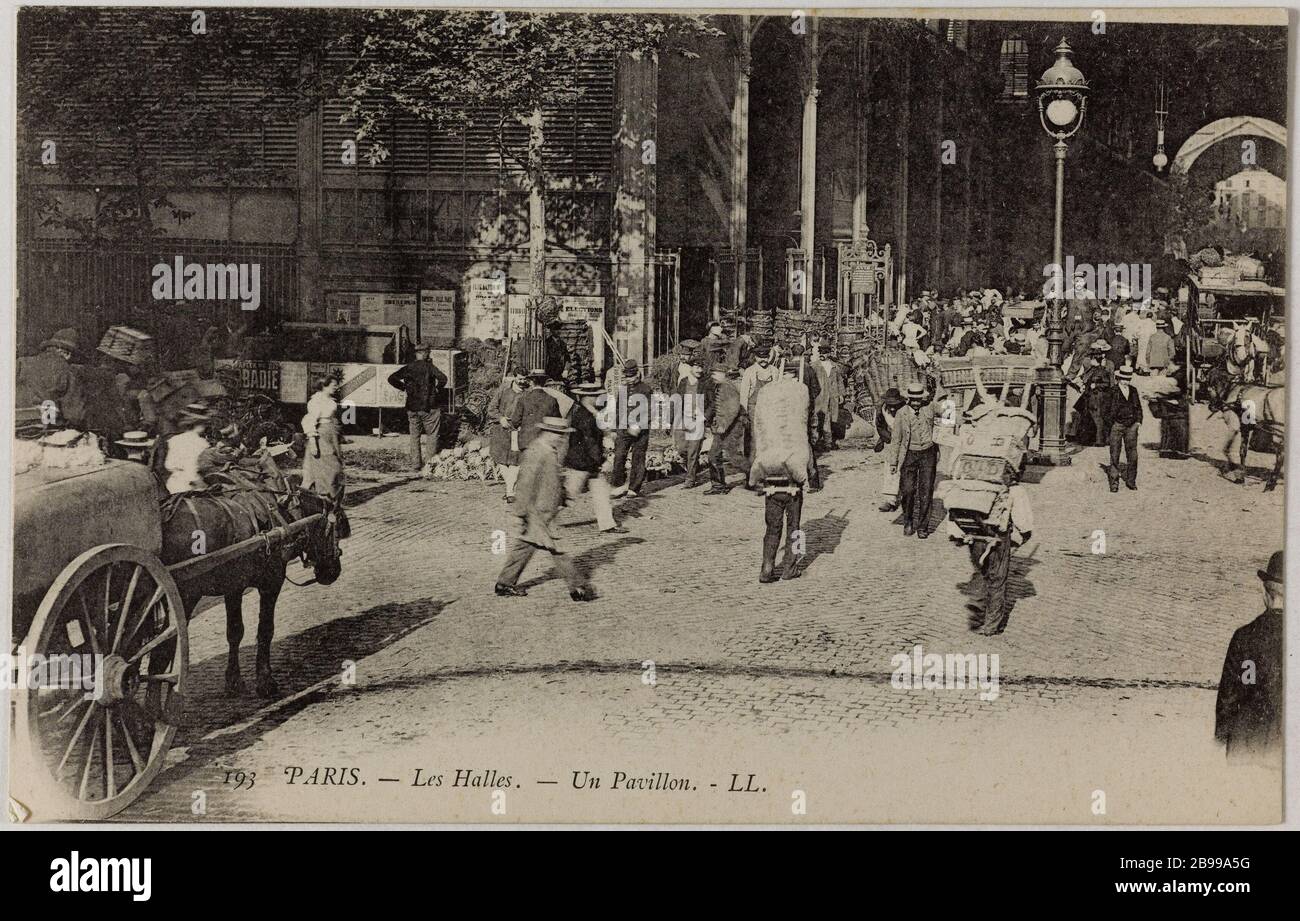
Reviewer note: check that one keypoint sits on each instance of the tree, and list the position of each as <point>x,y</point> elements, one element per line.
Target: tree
<point>445,67</point>
<point>143,102</point>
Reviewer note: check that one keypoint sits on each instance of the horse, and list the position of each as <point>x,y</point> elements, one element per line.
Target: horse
<point>1249,407</point>
<point>237,509</point>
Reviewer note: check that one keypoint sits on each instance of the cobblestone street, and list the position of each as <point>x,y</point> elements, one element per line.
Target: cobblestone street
<point>1107,668</point>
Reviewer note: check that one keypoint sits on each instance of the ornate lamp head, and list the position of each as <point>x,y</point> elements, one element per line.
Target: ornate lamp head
<point>1062,95</point>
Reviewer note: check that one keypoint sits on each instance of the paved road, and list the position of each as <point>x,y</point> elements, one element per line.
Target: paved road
<point>1107,670</point>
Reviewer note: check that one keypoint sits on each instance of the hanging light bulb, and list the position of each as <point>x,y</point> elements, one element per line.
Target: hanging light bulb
<point>1160,161</point>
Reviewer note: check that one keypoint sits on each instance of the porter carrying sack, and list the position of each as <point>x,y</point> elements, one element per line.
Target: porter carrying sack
<point>781,432</point>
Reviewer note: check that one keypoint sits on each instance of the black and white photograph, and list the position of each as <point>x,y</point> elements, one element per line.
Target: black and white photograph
<point>660,416</point>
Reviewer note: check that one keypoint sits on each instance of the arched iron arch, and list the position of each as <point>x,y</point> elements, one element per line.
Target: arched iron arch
<point>1221,130</point>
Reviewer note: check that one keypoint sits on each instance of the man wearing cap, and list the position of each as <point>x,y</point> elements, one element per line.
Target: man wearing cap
<point>586,455</point>
<point>533,405</point>
<point>540,494</point>
<point>632,418</point>
<point>688,427</point>
<point>915,457</point>
<point>724,416</point>
<point>1248,710</point>
<point>1011,521</point>
<point>423,384</point>
<point>890,404</point>
<point>1123,414</point>
<point>48,376</point>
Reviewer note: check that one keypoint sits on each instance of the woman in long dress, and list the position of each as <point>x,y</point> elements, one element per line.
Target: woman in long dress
<point>322,467</point>
<point>503,439</point>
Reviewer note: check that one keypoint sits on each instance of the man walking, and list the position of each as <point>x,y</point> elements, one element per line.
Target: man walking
<point>540,494</point>
<point>632,417</point>
<point>1160,348</point>
<point>586,455</point>
<point>1012,522</point>
<point>782,508</point>
<point>423,384</point>
<point>1123,415</point>
<point>915,456</point>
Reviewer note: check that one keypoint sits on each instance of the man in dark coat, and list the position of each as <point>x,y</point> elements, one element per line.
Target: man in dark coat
<point>1248,710</point>
<point>688,430</point>
<point>533,405</point>
<point>1123,415</point>
<point>423,384</point>
<point>586,455</point>
<point>632,417</point>
<point>1096,382</point>
<point>725,418</point>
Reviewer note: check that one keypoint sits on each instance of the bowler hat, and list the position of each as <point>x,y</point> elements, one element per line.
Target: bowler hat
<point>893,398</point>
<point>67,338</point>
<point>630,367</point>
<point>554,424</point>
<point>1276,571</point>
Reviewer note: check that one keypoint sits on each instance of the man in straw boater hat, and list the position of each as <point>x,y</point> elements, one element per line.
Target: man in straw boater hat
<point>914,455</point>
<point>1248,711</point>
<point>586,456</point>
<point>1095,382</point>
<point>1123,415</point>
<point>135,445</point>
<point>539,495</point>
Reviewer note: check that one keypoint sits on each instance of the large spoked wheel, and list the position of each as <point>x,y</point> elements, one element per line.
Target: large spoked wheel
<point>91,749</point>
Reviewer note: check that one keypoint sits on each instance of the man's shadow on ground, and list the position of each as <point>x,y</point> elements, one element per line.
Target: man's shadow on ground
<point>822,536</point>
<point>588,561</point>
<point>1019,586</point>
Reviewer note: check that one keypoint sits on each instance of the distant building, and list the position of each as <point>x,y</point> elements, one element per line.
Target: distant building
<point>1254,198</point>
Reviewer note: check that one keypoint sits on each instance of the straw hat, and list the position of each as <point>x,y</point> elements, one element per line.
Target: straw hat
<point>554,424</point>
<point>135,440</point>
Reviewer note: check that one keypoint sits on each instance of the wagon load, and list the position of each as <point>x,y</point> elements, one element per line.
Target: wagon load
<point>781,432</point>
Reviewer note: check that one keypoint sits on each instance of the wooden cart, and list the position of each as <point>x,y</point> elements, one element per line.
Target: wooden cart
<point>94,602</point>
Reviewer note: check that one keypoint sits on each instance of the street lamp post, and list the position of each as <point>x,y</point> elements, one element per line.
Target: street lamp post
<point>1062,98</point>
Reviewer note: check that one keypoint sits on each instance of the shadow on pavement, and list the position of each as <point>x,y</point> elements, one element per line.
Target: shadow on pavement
<point>299,661</point>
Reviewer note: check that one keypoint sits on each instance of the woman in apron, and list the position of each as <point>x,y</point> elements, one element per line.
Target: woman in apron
<point>503,440</point>
<point>322,467</point>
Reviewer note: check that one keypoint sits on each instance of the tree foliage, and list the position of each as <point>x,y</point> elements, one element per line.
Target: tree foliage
<point>142,102</point>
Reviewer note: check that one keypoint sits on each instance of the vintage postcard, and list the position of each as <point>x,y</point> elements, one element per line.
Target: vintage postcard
<point>648,416</point>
